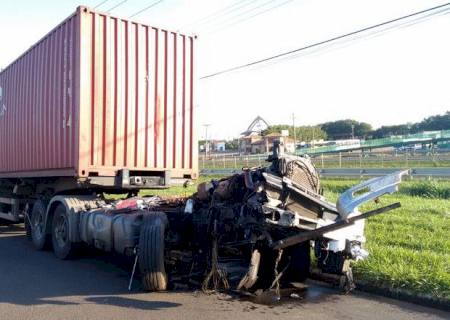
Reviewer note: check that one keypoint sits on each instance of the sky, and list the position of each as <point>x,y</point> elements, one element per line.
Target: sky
<point>393,77</point>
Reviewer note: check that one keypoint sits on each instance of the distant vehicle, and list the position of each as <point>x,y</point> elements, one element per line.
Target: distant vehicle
<point>409,148</point>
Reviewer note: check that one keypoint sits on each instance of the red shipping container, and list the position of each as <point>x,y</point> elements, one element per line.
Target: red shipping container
<point>96,95</point>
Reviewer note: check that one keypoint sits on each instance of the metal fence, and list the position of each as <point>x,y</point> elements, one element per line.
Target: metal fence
<point>355,173</point>
<point>356,160</point>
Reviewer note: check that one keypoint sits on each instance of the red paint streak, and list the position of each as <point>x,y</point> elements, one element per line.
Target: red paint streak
<point>146,98</point>
<point>183,132</point>
<point>92,88</point>
<point>174,139</point>
<point>105,57</point>
<point>125,135</point>
<point>136,85</point>
<point>191,102</point>
<point>165,98</point>
<point>156,124</point>
<point>115,93</point>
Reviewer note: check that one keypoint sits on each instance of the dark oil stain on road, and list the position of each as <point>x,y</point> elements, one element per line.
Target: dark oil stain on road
<point>294,296</point>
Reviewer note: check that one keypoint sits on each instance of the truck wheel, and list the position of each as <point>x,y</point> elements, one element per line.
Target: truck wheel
<point>151,253</point>
<point>39,236</point>
<point>62,246</point>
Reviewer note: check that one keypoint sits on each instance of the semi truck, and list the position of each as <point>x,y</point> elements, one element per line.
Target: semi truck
<point>103,105</point>
<point>99,104</point>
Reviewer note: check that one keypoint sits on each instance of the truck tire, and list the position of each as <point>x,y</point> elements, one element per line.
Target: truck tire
<point>151,253</point>
<point>39,236</point>
<point>62,246</point>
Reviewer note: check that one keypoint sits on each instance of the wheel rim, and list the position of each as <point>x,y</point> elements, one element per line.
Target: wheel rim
<point>61,232</point>
<point>38,224</point>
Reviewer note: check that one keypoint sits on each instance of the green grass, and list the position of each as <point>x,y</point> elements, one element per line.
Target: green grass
<point>409,247</point>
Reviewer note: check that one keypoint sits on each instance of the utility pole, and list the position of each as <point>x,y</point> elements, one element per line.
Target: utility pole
<point>353,131</point>
<point>206,125</point>
<point>295,134</point>
<point>312,142</point>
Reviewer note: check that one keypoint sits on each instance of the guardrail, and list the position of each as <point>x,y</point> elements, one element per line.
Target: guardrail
<point>354,172</point>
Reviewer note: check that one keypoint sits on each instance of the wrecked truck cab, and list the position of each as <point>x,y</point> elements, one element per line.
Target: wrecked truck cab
<point>253,230</point>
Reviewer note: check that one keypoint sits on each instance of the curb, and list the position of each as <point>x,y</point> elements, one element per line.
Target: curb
<point>404,295</point>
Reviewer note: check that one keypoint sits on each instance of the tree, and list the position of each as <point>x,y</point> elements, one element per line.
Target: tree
<point>309,133</point>
<point>387,131</point>
<point>362,130</point>
<point>302,133</point>
<point>345,129</point>
<point>432,123</point>
<point>437,122</point>
<point>232,144</point>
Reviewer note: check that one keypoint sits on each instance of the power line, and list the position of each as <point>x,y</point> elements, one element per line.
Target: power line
<point>247,11</point>
<point>101,3</point>
<point>254,8</point>
<point>224,26</point>
<point>372,34</point>
<point>317,44</point>
<point>224,22</point>
<point>221,12</point>
<point>146,8</point>
<point>116,6</point>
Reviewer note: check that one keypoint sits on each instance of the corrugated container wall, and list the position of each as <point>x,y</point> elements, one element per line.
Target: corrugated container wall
<point>99,94</point>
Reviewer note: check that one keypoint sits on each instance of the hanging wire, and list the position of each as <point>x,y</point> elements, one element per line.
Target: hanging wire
<point>442,9</point>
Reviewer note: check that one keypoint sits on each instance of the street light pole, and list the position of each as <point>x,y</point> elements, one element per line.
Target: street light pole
<point>206,125</point>
<point>295,134</point>
<point>313,131</point>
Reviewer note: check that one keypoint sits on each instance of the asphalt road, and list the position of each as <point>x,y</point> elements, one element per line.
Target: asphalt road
<point>36,285</point>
